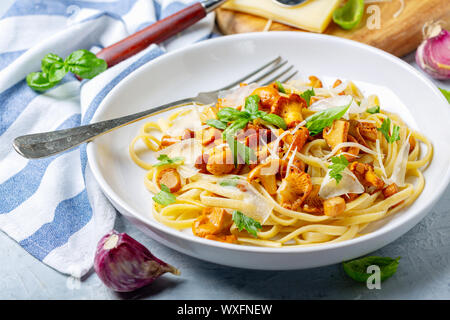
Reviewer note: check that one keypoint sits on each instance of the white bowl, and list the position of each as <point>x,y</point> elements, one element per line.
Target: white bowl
<point>214,63</point>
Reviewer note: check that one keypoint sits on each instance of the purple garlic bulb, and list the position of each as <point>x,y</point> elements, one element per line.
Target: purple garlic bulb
<point>124,265</point>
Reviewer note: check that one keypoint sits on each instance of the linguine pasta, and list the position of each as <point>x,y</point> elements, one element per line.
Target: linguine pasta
<point>273,183</point>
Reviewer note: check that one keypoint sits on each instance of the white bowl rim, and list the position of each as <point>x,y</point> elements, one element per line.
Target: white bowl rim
<point>390,227</point>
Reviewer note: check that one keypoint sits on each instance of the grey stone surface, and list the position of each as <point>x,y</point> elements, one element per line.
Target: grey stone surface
<point>424,271</point>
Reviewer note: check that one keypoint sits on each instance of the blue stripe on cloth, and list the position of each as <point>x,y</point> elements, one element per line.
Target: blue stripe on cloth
<point>14,101</point>
<point>70,216</point>
<point>7,57</point>
<point>24,184</point>
<point>66,7</point>
<point>157,7</point>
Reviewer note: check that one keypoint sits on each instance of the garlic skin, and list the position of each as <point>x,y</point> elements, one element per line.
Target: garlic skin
<point>433,55</point>
<point>124,265</point>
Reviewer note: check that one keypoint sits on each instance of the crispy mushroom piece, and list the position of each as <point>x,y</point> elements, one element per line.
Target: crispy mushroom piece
<point>368,131</point>
<point>167,140</point>
<point>268,95</point>
<point>170,178</point>
<point>297,140</point>
<point>334,207</point>
<point>209,135</point>
<point>266,173</point>
<point>220,161</point>
<point>337,133</point>
<point>294,189</point>
<point>315,82</point>
<point>213,221</point>
<point>313,203</point>
<point>290,109</point>
<point>354,131</point>
<point>366,175</point>
<point>412,144</point>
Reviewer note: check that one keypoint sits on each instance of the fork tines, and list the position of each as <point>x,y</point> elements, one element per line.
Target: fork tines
<point>261,74</point>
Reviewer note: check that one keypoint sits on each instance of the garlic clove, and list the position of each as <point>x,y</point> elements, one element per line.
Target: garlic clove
<point>124,265</point>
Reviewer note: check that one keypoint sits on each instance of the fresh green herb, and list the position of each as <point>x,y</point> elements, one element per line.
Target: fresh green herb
<point>228,114</point>
<point>217,124</point>
<point>165,160</point>
<point>385,130</point>
<point>307,95</point>
<point>240,150</point>
<point>244,222</point>
<point>349,16</point>
<point>234,127</point>
<point>357,269</point>
<point>231,182</point>
<point>373,110</point>
<point>164,197</point>
<point>251,105</point>
<point>446,94</point>
<point>280,87</point>
<point>85,64</point>
<point>81,62</point>
<point>339,165</point>
<point>320,120</point>
<point>240,119</point>
<point>275,120</point>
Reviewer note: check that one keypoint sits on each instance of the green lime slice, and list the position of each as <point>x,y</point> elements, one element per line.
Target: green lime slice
<point>349,16</point>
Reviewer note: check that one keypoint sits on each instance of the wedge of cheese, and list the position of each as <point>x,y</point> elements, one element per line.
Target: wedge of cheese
<point>314,15</point>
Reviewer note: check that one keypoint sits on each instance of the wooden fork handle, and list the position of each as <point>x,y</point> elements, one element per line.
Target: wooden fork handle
<point>155,33</point>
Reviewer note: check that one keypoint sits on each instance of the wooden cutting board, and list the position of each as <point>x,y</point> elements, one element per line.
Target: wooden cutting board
<point>398,36</point>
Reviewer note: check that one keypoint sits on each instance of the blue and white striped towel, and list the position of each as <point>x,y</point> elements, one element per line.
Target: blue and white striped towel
<point>53,207</point>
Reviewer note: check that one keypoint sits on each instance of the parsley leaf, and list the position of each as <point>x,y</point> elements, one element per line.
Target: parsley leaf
<point>243,222</point>
<point>339,165</point>
<point>446,94</point>
<point>307,95</point>
<point>165,160</point>
<point>357,269</point>
<point>373,110</point>
<point>280,87</point>
<point>217,124</point>
<point>320,120</point>
<point>385,129</point>
<point>231,182</point>
<point>164,197</point>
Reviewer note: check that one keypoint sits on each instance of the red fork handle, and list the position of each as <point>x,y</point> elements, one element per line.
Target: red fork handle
<point>155,33</point>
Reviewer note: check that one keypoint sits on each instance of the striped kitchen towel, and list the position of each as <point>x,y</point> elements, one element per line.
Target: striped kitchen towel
<point>52,206</point>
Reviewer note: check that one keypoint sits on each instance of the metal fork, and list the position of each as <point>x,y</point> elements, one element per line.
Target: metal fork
<point>46,144</point>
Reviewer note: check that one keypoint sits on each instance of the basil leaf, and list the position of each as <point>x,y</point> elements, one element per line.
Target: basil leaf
<point>446,94</point>
<point>280,87</point>
<point>57,72</point>
<point>234,127</point>
<point>164,197</point>
<point>275,120</point>
<point>307,96</point>
<point>217,124</point>
<point>165,160</point>
<point>238,149</point>
<point>339,165</point>
<point>231,182</point>
<point>373,110</point>
<point>228,114</point>
<point>244,222</point>
<point>39,81</point>
<point>320,120</point>
<point>85,64</point>
<point>49,60</point>
<point>252,104</point>
<point>357,269</point>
